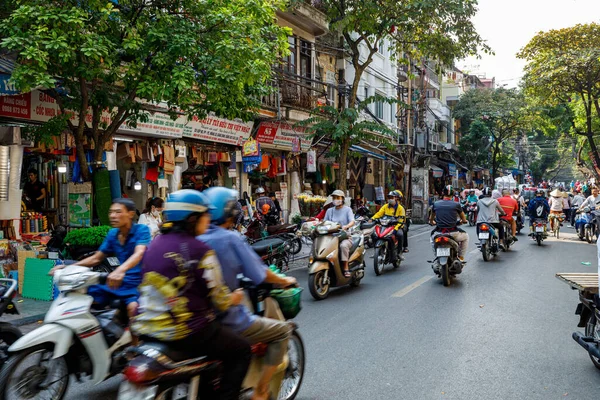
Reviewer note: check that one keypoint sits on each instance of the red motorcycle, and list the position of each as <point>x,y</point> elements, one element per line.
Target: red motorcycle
<point>386,251</point>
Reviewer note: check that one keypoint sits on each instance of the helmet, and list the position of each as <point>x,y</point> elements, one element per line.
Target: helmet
<point>392,194</point>
<point>223,201</point>
<point>448,190</point>
<point>398,194</point>
<point>338,193</point>
<point>471,191</point>
<point>183,203</point>
<point>487,192</point>
<point>540,193</point>
<point>260,190</point>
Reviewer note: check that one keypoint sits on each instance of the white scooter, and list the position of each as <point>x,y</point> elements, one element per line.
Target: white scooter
<point>73,340</point>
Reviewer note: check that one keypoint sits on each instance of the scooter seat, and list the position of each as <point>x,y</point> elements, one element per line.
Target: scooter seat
<point>367,225</point>
<point>262,247</point>
<point>163,348</point>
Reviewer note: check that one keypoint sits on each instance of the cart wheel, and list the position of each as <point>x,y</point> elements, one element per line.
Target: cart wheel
<point>590,330</point>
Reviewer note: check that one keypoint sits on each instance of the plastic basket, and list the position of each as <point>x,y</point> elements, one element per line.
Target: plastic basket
<point>289,301</point>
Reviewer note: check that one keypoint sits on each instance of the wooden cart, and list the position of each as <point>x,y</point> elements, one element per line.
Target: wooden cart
<point>583,281</point>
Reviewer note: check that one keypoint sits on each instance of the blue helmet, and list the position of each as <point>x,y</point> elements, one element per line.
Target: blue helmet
<point>182,203</point>
<point>224,204</point>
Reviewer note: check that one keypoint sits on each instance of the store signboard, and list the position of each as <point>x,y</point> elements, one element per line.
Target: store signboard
<point>16,106</point>
<point>158,125</point>
<point>282,135</point>
<point>219,130</point>
<point>6,87</point>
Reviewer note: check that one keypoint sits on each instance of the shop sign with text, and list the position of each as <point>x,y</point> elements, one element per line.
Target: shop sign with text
<point>219,130</point>
<point>282,135</point>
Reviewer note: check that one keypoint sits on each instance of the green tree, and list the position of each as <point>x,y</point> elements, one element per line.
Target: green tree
<point>437,29</point>
<point>563,67</point>
<point>503,112</point>
<point>472,146</point>
<point>95,55</point>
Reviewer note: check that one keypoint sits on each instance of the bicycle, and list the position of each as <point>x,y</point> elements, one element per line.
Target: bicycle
<point>555,221</point>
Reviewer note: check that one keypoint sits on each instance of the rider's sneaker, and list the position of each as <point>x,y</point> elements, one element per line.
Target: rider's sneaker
<point>515,239</point>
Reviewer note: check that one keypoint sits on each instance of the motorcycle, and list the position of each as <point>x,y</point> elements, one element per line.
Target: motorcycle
<point>446,263</point>
<point>519,218</point>
<point>156,372</point>
<point>539,230</point>
<point>273,251</point>
<point>583,224</point>
<point>8,332</point>
<point>260,229</point>
<point>508,237</point>
<point>325,270</point>
<point>489,242</point>
<point>472,213</point>
<point>73,340</point>
<point>386,249</point>
<point>589,312</point>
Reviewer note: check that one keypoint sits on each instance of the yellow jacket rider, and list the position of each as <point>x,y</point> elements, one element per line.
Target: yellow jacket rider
<point>393,208</point>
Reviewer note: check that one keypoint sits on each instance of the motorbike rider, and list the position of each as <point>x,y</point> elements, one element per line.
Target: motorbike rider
<point>182,287</point>
<point>262,201</point>
<point>128,242</point>
<point>489,212</point>
<point>238,258</point>
<point>394,209</point>
<point>591,201</point>
<point>472,198</point>
<point>538,209</point>
<point>444,214</point>
<point>576,203</point>
<point>509,205</point>
<point>521,202</point>
<point>342,215</point>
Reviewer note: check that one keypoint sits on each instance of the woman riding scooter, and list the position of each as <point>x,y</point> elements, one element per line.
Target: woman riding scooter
<point>182,285</point>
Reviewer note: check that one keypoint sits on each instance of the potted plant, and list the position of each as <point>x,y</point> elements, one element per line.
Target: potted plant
<point>84,240</point>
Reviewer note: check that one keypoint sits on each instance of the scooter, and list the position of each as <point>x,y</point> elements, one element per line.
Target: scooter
<point>472,213</point>
<point>73,340</point>
<point>386,245</point>
<point>446,264</point>
<point>8,332</point>
<point>508,237</point>
<point>583,224</point>
<point>489,243</point>
<point>273,251</point>
<point>156,372</point>
<point>259,229</point>
<point>367,228</point>
<point>539,230</point>
<point>519,218</point>
<point>325,270</point>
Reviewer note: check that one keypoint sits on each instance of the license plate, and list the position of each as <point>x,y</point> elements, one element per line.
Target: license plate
<point>539,229</point>
<point>129,391</point>
<point>484,235</point>
<point>443,252</point>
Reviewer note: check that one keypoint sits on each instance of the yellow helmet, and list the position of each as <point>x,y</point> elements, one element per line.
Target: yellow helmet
<point>399,193</point>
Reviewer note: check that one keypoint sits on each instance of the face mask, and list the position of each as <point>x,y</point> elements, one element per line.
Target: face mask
<point>337,203</point>
<point>155,213</point>
<point>392,202</point>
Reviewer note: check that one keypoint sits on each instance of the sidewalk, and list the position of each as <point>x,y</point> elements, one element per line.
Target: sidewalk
<point>30,311</point>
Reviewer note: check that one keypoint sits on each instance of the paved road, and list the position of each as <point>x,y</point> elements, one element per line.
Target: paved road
<point>501,331</point>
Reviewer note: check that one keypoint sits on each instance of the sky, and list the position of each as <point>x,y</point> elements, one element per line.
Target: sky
<point>508,25</point>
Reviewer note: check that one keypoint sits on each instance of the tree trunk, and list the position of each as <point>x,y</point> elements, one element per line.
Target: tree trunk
<point>83,164</point>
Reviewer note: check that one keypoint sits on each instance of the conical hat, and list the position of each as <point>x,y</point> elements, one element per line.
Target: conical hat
<point>555,193</point>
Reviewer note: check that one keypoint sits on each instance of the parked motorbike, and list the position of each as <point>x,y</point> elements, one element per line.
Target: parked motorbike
<point>273,251</point>
<point>8,332</point>
<point>72,340</point>
<point>386,248</point>
<point>325,269</point>
<point>157,372</point>
<point>489,242</point>
<point>589,312</point>
<point>584,223</point>
<point>472,213</point>
<point>539,230</point>
<point>259,229</point>
<point>446,264</point>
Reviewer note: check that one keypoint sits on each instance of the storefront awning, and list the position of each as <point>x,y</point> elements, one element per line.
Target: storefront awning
<point>437,171</point>
<point>366,152</point>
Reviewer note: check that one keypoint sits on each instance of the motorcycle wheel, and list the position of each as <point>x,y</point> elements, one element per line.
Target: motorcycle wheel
<point>445,271</point>
<point>16,384</point>
<point>379,259</point>
<point>290,386</point>
<point>590,330</point>
<point>486,251</point>
<point>539,240</point>
<point>318,289</point>
<point>295,245</point>
<point>588,235</point>
<point>471,219</point>
<point>8,335</point>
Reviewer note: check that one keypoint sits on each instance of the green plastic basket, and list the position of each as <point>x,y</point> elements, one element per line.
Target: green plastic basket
<point>289,301</point>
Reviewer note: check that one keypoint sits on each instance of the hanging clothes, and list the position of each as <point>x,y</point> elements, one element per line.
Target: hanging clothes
<point>265,163</point>
<point>311,161</point>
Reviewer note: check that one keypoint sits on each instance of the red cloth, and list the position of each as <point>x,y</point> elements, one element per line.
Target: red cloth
<point>152,174</point>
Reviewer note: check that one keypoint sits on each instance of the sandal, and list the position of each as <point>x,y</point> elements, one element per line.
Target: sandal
<point>405,251</point>
<point>347,274</point>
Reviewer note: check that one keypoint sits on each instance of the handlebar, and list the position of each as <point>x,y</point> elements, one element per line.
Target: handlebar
<point>102,277</point>
<point>12,287</point>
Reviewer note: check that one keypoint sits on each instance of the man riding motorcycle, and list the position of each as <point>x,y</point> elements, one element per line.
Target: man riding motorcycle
<point>472,198</point>
<point>342,215</point>
<point>576,203</point>
<point>509,205</point>
<point>538,209</point>
<point>183,286</point>
<point>238,258</point>
<point>489,212</point>
<point>591,201</point>
<point>444,214</point>
<point>394,209</point>
<point>128,242</point>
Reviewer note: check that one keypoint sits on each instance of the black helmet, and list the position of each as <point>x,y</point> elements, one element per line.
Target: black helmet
<point>448,190</point>
<point>539,193</point>
<point>487,192</point>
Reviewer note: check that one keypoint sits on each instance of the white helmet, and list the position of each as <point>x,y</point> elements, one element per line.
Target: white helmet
<point>338,193</point>
<point>260,190</point>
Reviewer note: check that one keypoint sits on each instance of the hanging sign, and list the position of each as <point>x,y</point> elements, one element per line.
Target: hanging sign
<point>282,135</point>
<point>220,130</point>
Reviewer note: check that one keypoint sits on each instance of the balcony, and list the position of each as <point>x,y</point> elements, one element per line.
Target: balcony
<point>306,16</point>
<point>441,110</point>
<point>296,92</point>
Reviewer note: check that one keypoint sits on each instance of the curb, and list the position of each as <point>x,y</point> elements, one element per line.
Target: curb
<point>27,320</point>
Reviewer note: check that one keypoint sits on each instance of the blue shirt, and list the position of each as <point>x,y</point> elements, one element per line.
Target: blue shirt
<point>139,235</point>
<point>236,257</point>
<point>342,216</point>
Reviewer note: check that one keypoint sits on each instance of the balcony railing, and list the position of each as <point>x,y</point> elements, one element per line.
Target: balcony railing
<point>296,92</point>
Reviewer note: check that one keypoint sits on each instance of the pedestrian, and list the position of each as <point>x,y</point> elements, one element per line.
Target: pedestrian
<point>35,191</point>
<point>151,215</point>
